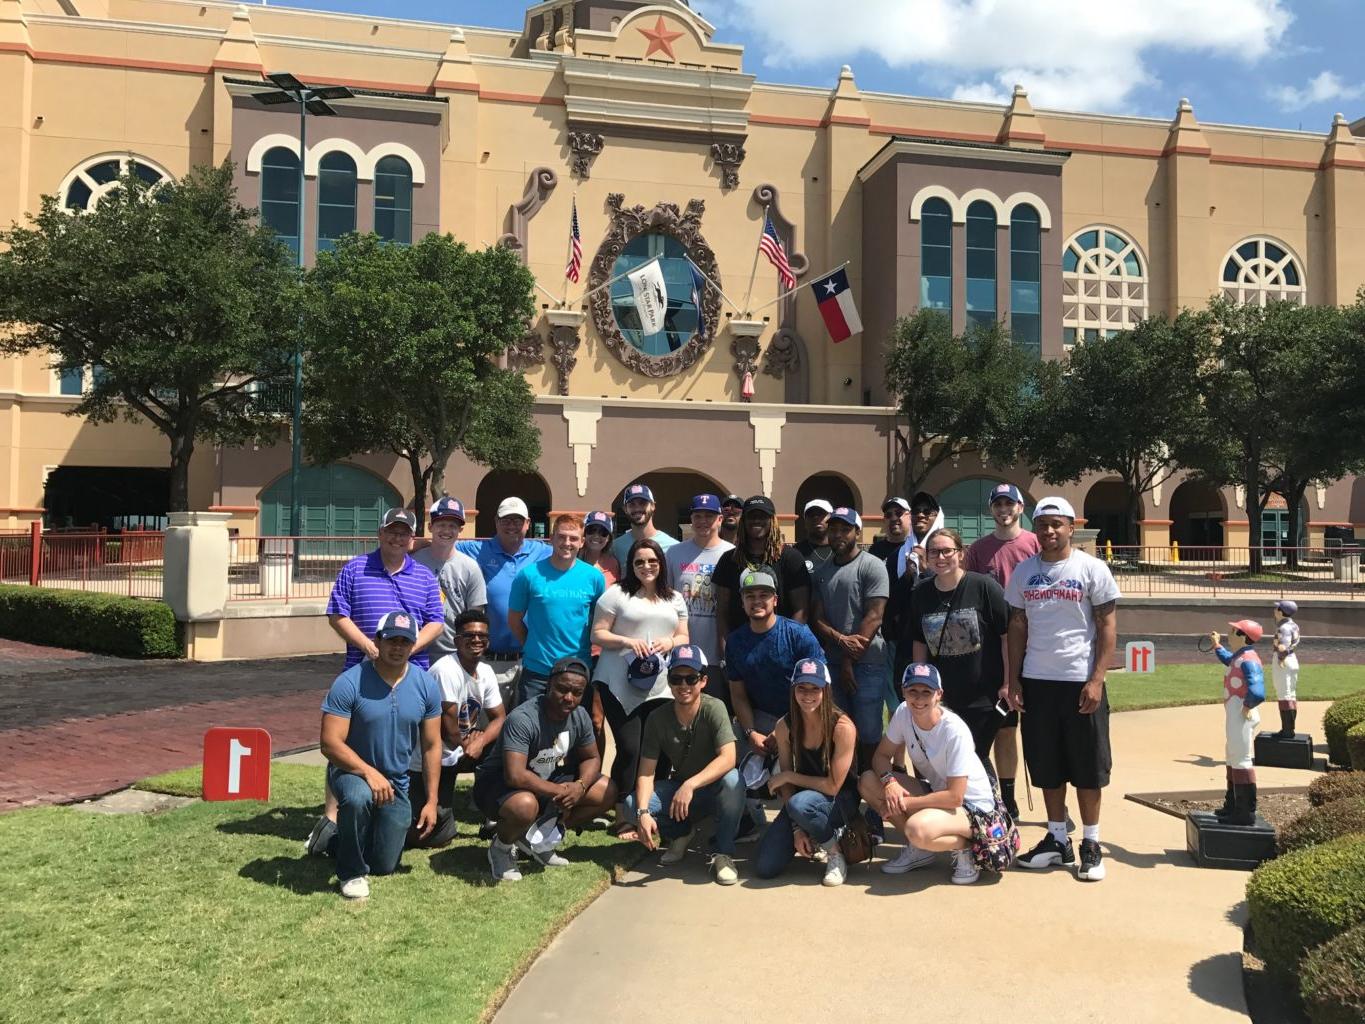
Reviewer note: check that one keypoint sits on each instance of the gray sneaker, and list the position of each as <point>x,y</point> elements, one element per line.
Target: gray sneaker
<point>502,860</point>
<point>548,859</point>
<point>320,838</point>
<point>723,869</point>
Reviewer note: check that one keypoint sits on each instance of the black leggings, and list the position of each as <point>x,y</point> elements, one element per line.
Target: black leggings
<point>627,732</point>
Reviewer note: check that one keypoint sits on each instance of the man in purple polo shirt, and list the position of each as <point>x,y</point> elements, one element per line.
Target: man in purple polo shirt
<point>367,588</point>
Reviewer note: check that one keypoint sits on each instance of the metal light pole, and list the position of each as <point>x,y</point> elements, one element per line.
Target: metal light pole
<point>310,101</point>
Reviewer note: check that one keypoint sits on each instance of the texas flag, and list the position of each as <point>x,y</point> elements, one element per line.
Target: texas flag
<point>836,305</point>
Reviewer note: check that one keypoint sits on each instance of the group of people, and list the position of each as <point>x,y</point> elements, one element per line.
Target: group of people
<point>853,685</point>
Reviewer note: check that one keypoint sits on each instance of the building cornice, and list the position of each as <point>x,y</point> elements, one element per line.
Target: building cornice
<point>110,25</point>
<point>303,43</point>
<point>741,409</point>
<point>898,147</point>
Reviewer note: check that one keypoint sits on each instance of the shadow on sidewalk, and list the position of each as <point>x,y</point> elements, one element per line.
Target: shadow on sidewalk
<point>1218,980</point>
<point>1129,858</point>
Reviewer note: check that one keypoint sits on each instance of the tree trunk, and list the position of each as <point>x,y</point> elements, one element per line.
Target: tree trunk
<point>182,451</point>
<point>1135,514</point>
<point>419,480</point>
<point>1294,497</point>
<point>437,474</point>
<point>1255,510</point>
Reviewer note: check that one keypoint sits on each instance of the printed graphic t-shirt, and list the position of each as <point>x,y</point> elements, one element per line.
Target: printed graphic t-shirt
<point>1059,599</point>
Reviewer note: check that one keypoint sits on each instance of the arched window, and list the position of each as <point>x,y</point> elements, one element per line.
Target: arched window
<point>336,199</point>
<point>1261,270</point>
<point>92,181</point>
<point>1026,279</point>
<point>1104,285</point>
<point>393,200</point>
<point>280,195</point>
<point>936,255</point>
<point>981,263</point>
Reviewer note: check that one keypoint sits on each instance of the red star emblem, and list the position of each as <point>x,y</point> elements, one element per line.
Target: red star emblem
<point>660,38</point>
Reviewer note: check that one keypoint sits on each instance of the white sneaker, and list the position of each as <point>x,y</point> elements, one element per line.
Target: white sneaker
<point>677,849</point>
<point>908,859</point>
<point>502,860</point>
<point>965,871</point>
<point>836,868</point>
<point>357,888</point>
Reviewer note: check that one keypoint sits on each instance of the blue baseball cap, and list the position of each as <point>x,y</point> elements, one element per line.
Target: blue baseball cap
<point>705,503</point>
<point>446,508</point>
<point>398,624</point>
<point>600,519</point>
<point>810,672</point>
<point>637,492</point>
<point>844,514</point>
<point>642,672</point>
<point>688,656</point>
<point>917,673</point>
<point>1004,491</point>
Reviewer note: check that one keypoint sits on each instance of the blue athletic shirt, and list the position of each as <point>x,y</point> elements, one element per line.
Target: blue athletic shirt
<point>764,661</point>
<point>557,605</point>
<point>365,592</point>
<point>499,570</point>
<point>386,722</point>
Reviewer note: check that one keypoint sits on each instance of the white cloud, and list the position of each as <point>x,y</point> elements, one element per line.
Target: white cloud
<point>1067,53</point>
<point>1321,88</point>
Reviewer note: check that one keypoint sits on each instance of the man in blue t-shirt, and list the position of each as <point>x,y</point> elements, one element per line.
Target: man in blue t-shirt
<point>759,656</point>
<point>375,713</point>
<point>550,608</point>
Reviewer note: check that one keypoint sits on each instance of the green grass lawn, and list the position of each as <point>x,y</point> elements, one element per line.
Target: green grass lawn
<point>211,913</point>
<point>1176,685</point>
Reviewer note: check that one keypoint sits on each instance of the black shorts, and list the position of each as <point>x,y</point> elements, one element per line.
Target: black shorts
<point>984,723</point>
<point>491,791</point>
<point>1061,745</point>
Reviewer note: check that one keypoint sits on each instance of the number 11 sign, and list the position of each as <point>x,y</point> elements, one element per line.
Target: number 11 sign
<point>1140,656</point>
<point>236,764</point>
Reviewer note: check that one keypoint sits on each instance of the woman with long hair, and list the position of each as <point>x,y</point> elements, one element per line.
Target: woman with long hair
<point>638,622</point>
<point>816,782</point>
<point>760,547</point>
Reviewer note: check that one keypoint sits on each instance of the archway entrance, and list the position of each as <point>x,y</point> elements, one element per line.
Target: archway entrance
<point>673,492</point>
<point>1106,510</point>
<point>965,509</point>
<point>500,484</point>
<point>334,501</point>
<point>830,486</point>
<point>1197,515</point>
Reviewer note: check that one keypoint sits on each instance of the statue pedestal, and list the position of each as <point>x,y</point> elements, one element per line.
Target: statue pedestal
<point>1288,752</point>
<point>1214,844</point>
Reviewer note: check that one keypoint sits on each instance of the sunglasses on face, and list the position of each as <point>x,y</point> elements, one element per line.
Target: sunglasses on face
<point>640,563</point>
<point>692,680</point>
<point>922,511</point>
<point>472,638</point>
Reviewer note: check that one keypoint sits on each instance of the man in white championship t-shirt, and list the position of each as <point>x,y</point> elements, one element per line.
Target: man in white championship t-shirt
<point>1062,631</point>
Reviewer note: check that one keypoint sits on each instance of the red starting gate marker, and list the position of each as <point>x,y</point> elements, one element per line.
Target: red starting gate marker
<point>236,764</point>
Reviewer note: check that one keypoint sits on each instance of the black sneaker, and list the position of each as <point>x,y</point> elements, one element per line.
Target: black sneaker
<point>1047,853</point>
<point>320,838</point>
<point>1092,862</point>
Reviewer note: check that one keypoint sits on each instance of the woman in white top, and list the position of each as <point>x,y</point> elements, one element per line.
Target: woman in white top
<point>931,814</point>
<point>637,624</point>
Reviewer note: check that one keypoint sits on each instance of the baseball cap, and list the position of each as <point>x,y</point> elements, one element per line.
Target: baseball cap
<point>1250,628</point>
<point>446,508</point>
<point>642,672</point>
<point>899,503</point>
<point>924,498</point>
<point>396,624</point>
<point>1289,608</point>
<point>547,834</point>
<point>599,519</point>
<point>1054,506</point>
<point>762,503</point>
<point>513,507</point>
<point>705,503</point>
<point>1005,491</point>
<point>732,499</point>
<point>399,517</point>
<point>847,515</point>
<point>755,579</point>
<point>571,663</point>
<point>917,673</point>
<point>810,672</point>
<point>819,503</point>
<point>688,656</point>
<point>755,770</point>
<point>637,492</point>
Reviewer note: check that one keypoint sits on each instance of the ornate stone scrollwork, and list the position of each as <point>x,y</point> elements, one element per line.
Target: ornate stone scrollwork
<point>728,156</point>
<point>538,188</point>
<point>685,227</point>
<point>565,325</point>
<point>583,148</point>
<point>783,355</point>
<point>528,351</point>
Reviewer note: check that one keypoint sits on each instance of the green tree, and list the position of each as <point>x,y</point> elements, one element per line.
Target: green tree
<point>402,342</point>
<point>172,293</point>
<point>1118,405</point>
<point>956,393</point>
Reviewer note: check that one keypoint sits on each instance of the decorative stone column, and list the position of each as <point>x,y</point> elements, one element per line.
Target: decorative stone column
<point>195,578</point>
<point>564,339</point>
<point>744,335</point>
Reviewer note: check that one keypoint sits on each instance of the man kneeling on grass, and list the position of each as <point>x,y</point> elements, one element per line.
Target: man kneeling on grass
<point>372,719</point>
<point>544,776</point>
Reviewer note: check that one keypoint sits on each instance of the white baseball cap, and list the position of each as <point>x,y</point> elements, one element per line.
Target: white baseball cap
<point>819,503</point>
<point>513,507</point>
<point>1054,506</point>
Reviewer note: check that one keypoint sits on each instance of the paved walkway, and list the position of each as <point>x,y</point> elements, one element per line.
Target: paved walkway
<point>75,726</point>
<point>1158,941</point>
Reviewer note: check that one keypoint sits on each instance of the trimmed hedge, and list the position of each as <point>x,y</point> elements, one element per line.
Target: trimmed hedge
<point>1335,786</point>
<point>1355,745</point>
<point>1323,824</point>
<point>1302,899</point>
<point>1332,979</point>
<point>1343,714</point>
<point>88,621</point>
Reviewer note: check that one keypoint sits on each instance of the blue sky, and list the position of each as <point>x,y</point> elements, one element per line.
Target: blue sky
<point>1278,63</point>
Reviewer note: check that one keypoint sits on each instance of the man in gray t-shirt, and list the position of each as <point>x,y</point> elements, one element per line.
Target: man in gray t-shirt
<point>691,564</point>
<point>459,576</point>
<point>850,592</point>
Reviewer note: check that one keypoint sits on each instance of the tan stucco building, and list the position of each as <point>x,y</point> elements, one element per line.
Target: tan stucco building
<point>1061,224</point>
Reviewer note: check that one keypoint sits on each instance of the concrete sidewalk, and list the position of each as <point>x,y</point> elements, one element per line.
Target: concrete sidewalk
<point>1158,940</point>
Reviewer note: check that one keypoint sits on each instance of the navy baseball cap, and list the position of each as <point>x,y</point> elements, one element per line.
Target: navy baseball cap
<point>917,673</point>
<point>572,663</point>
<point>637,492</point>
<point>761,503</point>
<point>446,508</point>
<point>642,672</point>
<point>598,519</point>
<point>706,503</point>
<point>688,656</point>
<point>399,624</point>
<point>732,499</point>
<point>810,672</point>
<point>1289,608</point>
<point>1005,491</point>
<point>844,514</point>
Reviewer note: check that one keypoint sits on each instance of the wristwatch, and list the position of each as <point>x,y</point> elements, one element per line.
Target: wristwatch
<point>888,777</point>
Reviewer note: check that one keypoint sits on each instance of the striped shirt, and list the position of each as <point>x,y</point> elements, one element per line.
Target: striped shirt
<point>365,592</point>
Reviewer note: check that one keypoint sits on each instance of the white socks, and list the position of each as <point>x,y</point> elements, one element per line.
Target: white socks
<point>1058,831</point>
<point>1090,832</point>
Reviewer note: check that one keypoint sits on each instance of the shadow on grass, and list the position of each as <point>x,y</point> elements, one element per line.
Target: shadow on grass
<point>469,861</point>
<point>304,876</point>
<point>280,822</point>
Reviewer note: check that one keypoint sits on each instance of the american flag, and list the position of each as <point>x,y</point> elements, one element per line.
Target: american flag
<point>771,246</point>
<point>575,248</point>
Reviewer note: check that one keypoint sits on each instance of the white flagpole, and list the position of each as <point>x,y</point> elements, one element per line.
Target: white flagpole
<point>573,216</point>
<point>707,279</point>
<point>804,284</point>
<point>753,271</point>
<point>551,295</point>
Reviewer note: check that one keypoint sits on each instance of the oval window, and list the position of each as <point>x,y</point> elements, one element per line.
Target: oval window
<point>681,321</point>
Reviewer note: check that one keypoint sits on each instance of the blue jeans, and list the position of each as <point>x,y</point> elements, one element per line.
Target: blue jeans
<point>893,685</point>
<point>530,686</point>
<point>865,704</point>
<point>370,836</point>
<point>813,813</point>
<point>723,800</point>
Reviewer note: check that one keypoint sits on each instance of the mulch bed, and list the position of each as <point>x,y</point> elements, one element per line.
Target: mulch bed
<point>1277,806</point>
